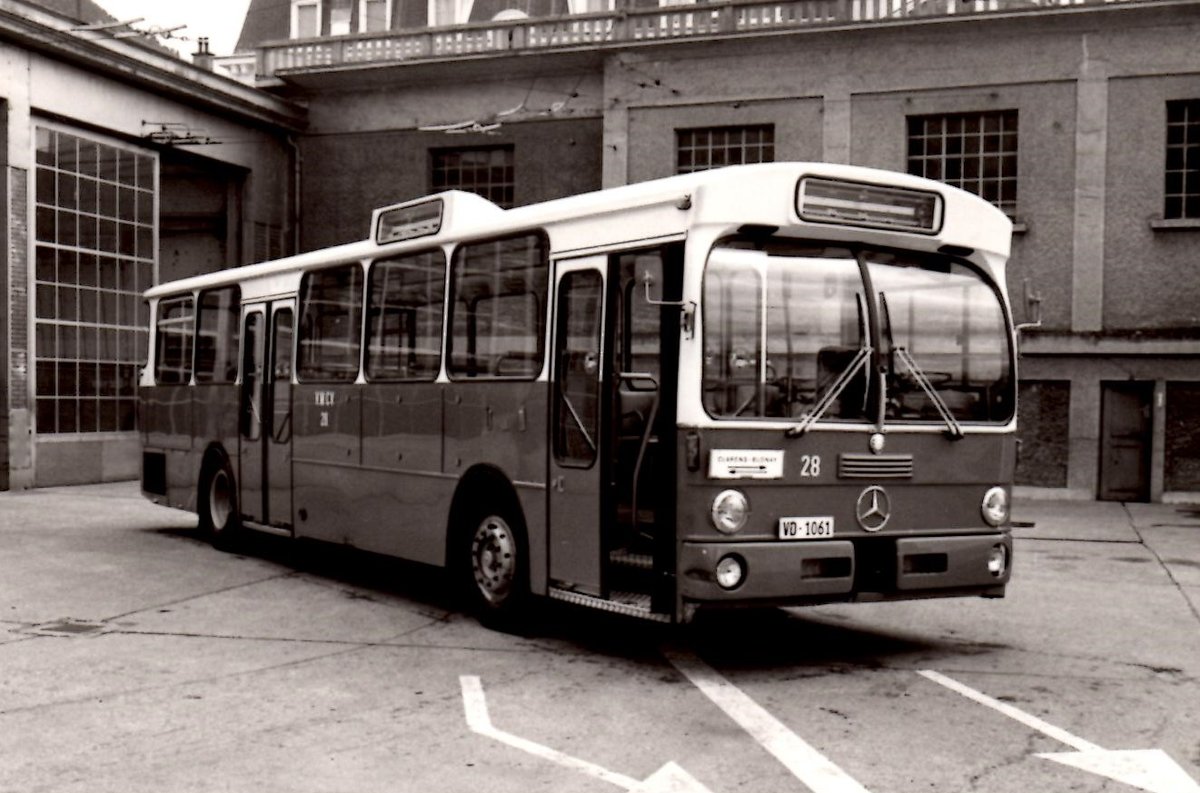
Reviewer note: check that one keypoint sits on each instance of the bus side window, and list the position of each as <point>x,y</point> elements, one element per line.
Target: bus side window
<point>330,324</point>
<point>404,325</point>
<point>173,346</point>
<point>498,308</point>
<point>217,330</point>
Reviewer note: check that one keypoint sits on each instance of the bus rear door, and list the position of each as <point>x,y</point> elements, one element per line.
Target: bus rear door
<point>265,457</point>
<point>576,452</point>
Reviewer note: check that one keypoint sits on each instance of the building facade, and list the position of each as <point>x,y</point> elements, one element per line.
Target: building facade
<point>1081,120</point>
<point>122,166</point>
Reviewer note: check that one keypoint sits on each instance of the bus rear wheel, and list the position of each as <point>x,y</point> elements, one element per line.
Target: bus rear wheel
<point>496,568</point>
<point>219,517</point>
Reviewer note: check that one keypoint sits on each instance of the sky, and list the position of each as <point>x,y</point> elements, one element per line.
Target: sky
<point>219,20</point>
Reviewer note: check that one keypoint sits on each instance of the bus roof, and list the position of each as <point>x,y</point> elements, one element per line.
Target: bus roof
<point>740,194</point>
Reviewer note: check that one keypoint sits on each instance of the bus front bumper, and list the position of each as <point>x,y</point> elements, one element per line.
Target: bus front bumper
<point>870,568</point>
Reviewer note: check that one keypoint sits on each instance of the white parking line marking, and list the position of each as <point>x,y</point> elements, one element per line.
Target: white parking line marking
<point>1152,770</point>
<point>806,763</point>
<point>1058,734</point>
<point>670,778</point>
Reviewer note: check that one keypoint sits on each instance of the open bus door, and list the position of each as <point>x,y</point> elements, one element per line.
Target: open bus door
<point>265,453</point>
<point>577,446</point>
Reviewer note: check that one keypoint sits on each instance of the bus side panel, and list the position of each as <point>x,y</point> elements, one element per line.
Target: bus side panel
<point>166,427</point>
<point>403,495</point>
<point>503,424</point>
<point>326,458</point>
<point>215,417</point>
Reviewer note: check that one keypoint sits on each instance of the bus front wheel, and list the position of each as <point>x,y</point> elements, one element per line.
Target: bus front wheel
<point>219,517</point>
<point>496,568</point>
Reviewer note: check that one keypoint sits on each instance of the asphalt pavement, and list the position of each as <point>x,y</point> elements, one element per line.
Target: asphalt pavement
<point>133,656</point>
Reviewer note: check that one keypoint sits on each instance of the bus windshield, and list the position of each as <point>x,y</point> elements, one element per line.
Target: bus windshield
<point>787,336</point>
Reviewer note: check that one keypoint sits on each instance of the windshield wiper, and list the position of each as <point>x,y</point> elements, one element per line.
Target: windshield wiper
<point>844,379</point>
<point>954,429</point>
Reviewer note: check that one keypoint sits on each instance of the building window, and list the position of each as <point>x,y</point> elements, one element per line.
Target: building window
<point>306,19</point>
<point>374,16</point>
<point>94,247</point>
<point>339,17</point>
<point>1183,160</point>
<point>974,151</point>
<point>487,172</point>
<point>714,147</point>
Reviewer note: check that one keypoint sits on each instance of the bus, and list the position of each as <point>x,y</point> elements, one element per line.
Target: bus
<point>764,385</point>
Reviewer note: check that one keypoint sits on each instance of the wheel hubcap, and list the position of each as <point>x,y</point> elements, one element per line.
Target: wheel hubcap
<point>494,559</point>
<point>220,502</point>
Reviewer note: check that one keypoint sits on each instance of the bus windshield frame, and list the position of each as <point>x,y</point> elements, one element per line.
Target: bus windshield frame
<point>853,335</point>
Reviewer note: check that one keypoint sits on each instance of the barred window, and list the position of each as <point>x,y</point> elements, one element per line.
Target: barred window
<point>485,171</point>
<point>974,151</point>
<point>1183,160</point>
<point>713,147</point>
<point>94,250</point>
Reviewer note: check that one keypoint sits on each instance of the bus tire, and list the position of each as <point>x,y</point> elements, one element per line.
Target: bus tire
<point>495,572</point>
<point>220,520</point>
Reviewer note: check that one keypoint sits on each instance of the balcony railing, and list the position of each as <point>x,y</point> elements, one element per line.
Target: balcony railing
<point>643,24</point>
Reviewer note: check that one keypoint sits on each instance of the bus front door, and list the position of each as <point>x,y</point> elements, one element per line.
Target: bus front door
<point>265,458</point>
<point>576,453</point>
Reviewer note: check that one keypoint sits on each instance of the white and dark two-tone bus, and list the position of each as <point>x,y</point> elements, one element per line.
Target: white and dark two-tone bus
<point>776,384</point>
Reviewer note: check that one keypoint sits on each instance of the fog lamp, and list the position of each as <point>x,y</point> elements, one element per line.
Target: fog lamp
<point>729,511</point>
<point>995,506</point>
<point>998,560</point>
<point>731,571</point>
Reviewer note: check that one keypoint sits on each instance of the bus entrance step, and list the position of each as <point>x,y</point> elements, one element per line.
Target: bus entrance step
<point>633,604</point>
<point>627,558</point>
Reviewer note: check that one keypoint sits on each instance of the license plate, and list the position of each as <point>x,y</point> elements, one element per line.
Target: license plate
<point>805,528</point>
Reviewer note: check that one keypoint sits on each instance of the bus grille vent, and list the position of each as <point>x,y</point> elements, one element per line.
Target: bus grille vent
<point>875,466</point>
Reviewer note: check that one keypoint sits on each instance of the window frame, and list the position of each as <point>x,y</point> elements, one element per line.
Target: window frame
<point>367,316</point>
<point>917,164</point>
<point>236,289</point>
<point>509,185</point>
<point>186,298</point>
<point>294,23</point>
<point>453,372</point>
<point>88,323</point>
<point>1190,119</point>
<point>300,370</point>
<point>362,15</point>
<point>764,146</point>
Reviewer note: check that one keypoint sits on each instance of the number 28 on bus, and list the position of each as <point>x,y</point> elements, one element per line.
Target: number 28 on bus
<point>776,384</point>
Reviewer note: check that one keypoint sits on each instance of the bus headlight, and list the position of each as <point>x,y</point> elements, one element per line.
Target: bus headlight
<point>731,571</point>
<point>729,511</point>
<point>995,506</point>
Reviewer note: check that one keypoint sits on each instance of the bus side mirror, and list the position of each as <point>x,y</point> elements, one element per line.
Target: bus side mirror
<point>1033,308</point>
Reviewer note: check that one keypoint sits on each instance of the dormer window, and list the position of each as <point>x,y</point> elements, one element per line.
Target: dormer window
<point>306,19</point>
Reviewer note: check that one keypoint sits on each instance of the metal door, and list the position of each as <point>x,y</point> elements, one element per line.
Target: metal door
<point>265,423</point>
<point>1127,420</point>
<point>576,446</point>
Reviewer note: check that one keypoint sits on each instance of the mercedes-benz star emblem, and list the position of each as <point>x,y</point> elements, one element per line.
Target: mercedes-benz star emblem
<point>873,509</point>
